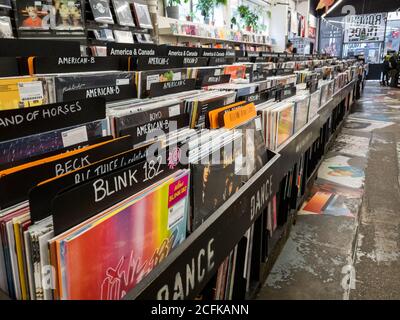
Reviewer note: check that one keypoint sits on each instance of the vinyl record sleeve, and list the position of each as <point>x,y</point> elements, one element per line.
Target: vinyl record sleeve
<point>142,15</point>
<point>123,36</point>
<point>6,31</point>
<point>34,15</point>
<point>149,227</point>
<point>68,15</point>
<point>123,12</point>
<point>26,147</point>
<point>101,11</point>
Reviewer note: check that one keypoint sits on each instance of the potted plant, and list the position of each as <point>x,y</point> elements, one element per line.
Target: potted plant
<point>206,8</point>
<point>173,8</point>
<point>249,18</point>
<point>190,16</point>
<point>233,22</point>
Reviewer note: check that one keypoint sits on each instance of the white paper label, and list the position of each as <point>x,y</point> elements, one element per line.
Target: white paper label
<point>217,72</point>
<point>177,76</point>
<point>29,91</point>
<point>152,79</point>
<point>74,136</point>
<point>122,82</point>
<point>258,124</point>
<point>38,3</point>
<point>174,111</point>
<point>176,213</point>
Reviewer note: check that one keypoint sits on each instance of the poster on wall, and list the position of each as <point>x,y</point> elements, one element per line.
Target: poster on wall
<point>365,27</point>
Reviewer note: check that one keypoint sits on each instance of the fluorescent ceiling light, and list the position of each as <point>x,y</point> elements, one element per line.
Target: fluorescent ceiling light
<point>331,9</point>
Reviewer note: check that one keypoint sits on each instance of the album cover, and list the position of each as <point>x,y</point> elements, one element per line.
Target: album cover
<point>101,11</point>
<point>123,36</point>
<point>68,14</point>
<point>301,112</point>
<point>142,16</point>
<point>143,38</point>
<point>215,178</point>
<point>285,124</point>
<point>33,15</point>
<point>104,35</point>
<point>26,147</point>
<point>6,28</point>
<point>123,12</point>
<point>136,236</point>
<point>5,4</point>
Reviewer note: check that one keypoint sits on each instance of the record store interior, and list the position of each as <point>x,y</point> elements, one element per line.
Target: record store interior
<point>200,150</point>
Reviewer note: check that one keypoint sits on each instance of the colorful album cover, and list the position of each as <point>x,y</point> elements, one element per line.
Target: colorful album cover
<point>26,147</point>
<point>22,92</point>
<point>101,11</point>
<point>68,14</point>
<point>6,31</point>
<point>130,241</point>
<point>123,13</point>
<point>33,15</point>
<point>143,16</point>
<point>318,203</point>
<point>285,124</point>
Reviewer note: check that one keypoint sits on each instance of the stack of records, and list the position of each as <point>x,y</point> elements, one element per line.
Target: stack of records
<point>302,103</point>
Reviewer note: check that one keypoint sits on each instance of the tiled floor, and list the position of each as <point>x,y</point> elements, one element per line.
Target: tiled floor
<point>346,242</point>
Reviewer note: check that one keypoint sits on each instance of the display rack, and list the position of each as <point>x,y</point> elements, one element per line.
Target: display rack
<point>195,262</point>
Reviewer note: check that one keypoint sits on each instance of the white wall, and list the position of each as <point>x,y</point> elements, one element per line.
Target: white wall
<point>279,24</point>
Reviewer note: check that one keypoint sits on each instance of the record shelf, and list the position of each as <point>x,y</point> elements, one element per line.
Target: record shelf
<point>194,263</point>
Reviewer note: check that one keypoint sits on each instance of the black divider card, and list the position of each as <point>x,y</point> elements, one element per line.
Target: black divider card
<point>210,80</point>
<point>39,48</point>
<point>123,89</point>
<point>148,131</point>
<point>18,123</point>
<point>253,54</point>
<point>169,87</point>
<point>75,205</point>
<point>148,116</point>
<point>166,62</point>
<point>218,61</point>
<point>9,67</point>
<point>242,59</point>
<point>137,49</point>
<point>257,97</point>
<point>79,64</point>
<point>41,196</point>
<point>180,51</point>
<point>213,52</point>
<point>14,187</point>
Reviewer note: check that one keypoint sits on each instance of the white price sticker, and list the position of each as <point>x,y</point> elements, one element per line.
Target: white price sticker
<point>176,213</point>
<point>217,72</point>
<point>174,111</point>
<point>122,82</point>
<point>74,136</point>
<point>177,76</point>
<point>38,3</point>
<point>29,91</point>
<point>71,4</point>
<point>152,79</point>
